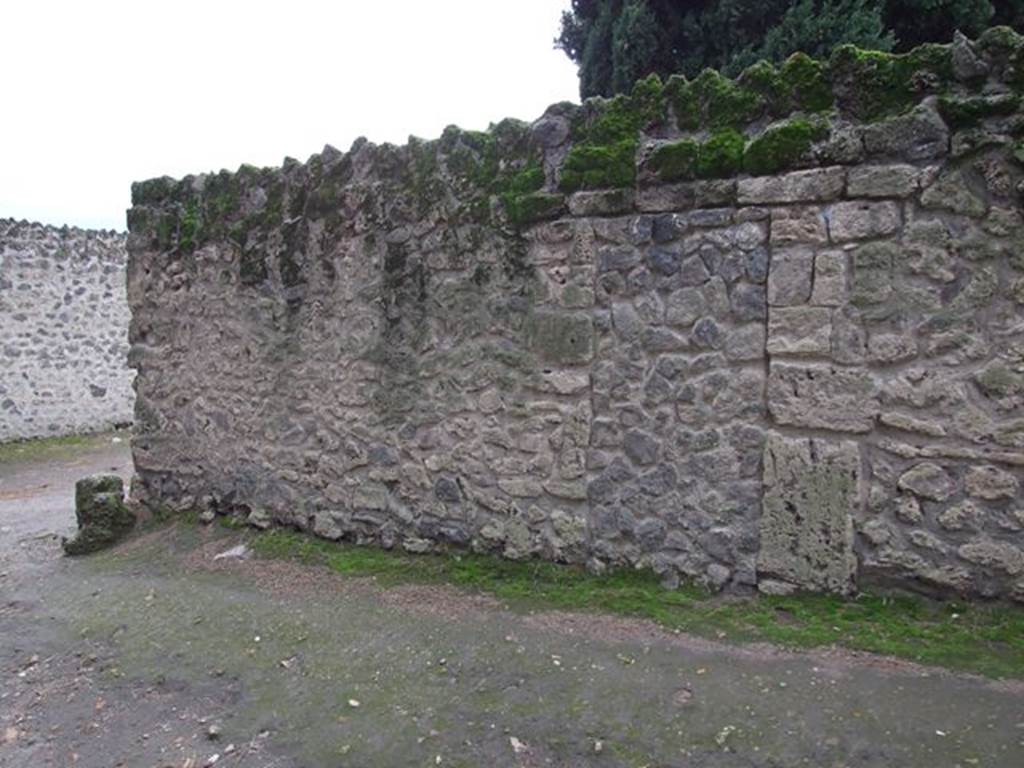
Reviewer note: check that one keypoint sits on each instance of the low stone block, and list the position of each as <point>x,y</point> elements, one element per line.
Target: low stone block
<point>988,482</point>
<point>560,337</point>
<point>954,192</point>
<point>798,225</point>
<point>830,277</point>
<point>965,515</point>
<point>687,305</point>
<point>819,184</point>
<point>928,481</point>
<point>823,397</point>
<point>799,330</point>
<point>604,202</point>
<point>617,258</point>
<point>883,181</point>
<point>999,555</point>
<point>677,197</point>
<point>567,489</point>
<point>521,487</point>
<point>872,274</point>
<point>749,302</point>
<point>918,135</point>
<point>372,497</point>
<point>626,321</point>
<point>746,343</point>
<point>859,220</point>
<point>325,526</point>
<point>259,518</point>
<point>910,424</point>
<point>561,382</point>
<point>103,517</point>
<point>789,278</point>
<point>810,500</point>
<point>889,348</point>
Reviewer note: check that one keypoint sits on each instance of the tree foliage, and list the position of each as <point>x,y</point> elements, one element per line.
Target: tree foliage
<point>617,42</point>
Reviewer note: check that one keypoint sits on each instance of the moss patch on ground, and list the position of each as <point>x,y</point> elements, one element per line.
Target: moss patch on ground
<point>980,638</point>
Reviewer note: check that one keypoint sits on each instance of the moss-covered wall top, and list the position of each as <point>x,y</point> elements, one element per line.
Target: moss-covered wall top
<point>767,120</point>
<point>761,332</point>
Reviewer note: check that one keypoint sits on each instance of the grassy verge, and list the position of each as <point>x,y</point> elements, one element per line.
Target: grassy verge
<point>983,638</point>
<point>53,447</point>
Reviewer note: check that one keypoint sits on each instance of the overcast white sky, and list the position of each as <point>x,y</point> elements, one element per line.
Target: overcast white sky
<point>99,93</point>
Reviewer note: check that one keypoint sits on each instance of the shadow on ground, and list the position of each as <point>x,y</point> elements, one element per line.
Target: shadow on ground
<point>159,654</point>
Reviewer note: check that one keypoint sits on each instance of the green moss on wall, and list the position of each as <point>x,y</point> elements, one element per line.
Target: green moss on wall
<point>596,166</point>
<point>969,112</point>
<point>166,227</point>
<point>500,162</point>
<point>871,85</point>
<point>712,101</point>
<point>470,156</point>
<point>1004,49</point>
<point>764,79</point>
<point>1018,152</point>
<point>675,161</point>
<point>188,230</point>
<point>808,83</point>
<point>781,146</point>
<point>525,209</point>
<point>800,84</point>
<point>152,191</point>
<point>424,180</point>
<point>721,155</point>
<point>605,134</point>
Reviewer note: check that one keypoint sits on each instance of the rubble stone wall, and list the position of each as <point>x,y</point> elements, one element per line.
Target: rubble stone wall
<point>761,333</point>
<point>63,331</point>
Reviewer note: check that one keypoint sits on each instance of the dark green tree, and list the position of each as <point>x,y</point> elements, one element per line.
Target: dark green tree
<point>1010,13</point>
<point>923,21</point>
<point>616,42</point>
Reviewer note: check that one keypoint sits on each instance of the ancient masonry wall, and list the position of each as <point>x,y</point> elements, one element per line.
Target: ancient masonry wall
<point>63,331</point>
<point>765,333</point>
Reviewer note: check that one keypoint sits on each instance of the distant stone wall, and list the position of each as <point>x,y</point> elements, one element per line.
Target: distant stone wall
<point>63,331</point>
<point>761,333</point>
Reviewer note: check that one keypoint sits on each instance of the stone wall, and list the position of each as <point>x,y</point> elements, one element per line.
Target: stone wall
<point>63,331</point>
<point>765,333</point>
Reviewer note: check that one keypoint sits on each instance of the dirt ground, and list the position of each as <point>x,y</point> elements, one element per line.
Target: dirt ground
<point>158,654</point>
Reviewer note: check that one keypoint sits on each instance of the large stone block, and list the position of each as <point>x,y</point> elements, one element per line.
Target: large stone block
<point>799,330</point>
<point>830,276</point>
<point>563,338</point>
<point>953,191</point>
<point>883,181</point>
<point>859,220</point>
<point>810,498</point>
<point>918,135</point>
<point>790,276</point>
<point>601,203</point>
<point>677,197</point>
<point>798,225</point>
<point>872,275</point>
<point>823,397</point>
<point>819,184</point>
<point>928,481</point>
